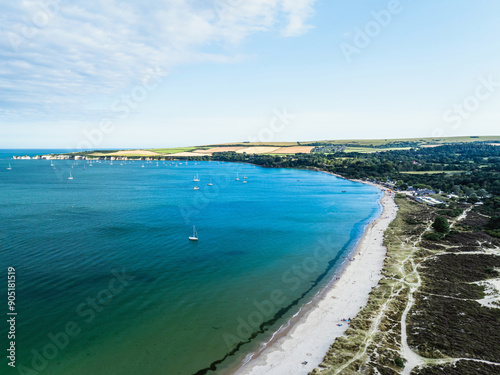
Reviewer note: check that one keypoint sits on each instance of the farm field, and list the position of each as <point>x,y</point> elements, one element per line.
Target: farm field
<point>294,150</point>
<point>257,150</point>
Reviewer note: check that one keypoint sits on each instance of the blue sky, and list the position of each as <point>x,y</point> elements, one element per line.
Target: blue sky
<point>189,72</point>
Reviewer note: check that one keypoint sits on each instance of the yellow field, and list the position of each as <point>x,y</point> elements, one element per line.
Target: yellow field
<point>189,154</point>
<point>172,150</point>
<point>257,150</point>
<point>219,149</point>
<point>127,153</point>
<point>247,144</point>
<point>294,150</point>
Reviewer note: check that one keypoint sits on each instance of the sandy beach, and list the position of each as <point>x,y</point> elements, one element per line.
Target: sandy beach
<point>310,338</point>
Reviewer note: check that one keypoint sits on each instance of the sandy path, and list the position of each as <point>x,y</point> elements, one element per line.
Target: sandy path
<point>312,335</point>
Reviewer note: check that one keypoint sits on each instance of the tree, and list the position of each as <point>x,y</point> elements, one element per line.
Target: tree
<point>473,198</point>
<point>441,225</point>
<point>457,190</point>
<point>481,193</point>
<point>401,185</point>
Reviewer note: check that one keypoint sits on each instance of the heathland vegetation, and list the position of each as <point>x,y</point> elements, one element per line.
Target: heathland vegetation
<point>437,307</point>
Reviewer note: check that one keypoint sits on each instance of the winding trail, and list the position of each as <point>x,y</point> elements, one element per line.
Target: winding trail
<point>413,359</point>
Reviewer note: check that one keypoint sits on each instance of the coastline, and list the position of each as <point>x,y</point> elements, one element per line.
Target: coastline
<point>309,338</point>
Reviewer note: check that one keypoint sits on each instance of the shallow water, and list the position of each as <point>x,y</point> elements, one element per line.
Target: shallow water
<point>177,307</point>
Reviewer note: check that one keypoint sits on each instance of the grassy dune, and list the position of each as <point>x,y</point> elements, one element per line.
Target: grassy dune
<point>426,312</point>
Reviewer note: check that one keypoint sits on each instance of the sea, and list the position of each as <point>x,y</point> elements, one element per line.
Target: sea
<point>108,282</point>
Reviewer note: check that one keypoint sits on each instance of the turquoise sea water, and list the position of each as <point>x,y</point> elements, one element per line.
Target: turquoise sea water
<point>108,282</point>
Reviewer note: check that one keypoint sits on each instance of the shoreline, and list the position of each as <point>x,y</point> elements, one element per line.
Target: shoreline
<point>307,336</point>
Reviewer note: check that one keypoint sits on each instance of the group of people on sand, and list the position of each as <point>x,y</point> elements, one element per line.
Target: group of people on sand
<point>348,321</point>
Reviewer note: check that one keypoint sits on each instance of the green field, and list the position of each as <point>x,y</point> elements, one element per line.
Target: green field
<point>395,141</point>
<point>173,150</point>
<point>370,145</point>
<point>364,146</point>
<point>368,150</point>
<point>249,144</point>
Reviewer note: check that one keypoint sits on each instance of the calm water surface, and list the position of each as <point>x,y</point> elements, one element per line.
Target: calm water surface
<point>106,257</point>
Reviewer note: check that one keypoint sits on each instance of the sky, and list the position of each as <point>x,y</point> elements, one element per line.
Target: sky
<point>165,73</point>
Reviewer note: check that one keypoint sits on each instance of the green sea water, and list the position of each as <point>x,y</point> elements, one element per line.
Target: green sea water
<point>107,281</point>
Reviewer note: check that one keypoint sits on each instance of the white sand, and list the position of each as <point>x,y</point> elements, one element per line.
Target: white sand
<point>312,335</point>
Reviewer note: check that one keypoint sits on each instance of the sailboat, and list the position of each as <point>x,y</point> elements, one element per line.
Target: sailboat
<point>237,178</point>
<point>9,167</point>
<point>70,176</point>
<point>196,188</point>
<point>194,237</point>
<point>210,183</point>
<point>143,166</point>
<point>245,177</point>
<point>51,163</point>
<point>196,178</point>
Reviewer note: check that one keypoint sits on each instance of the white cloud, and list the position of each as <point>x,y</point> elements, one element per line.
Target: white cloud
<point>298,11</point>
<point>55,55</point>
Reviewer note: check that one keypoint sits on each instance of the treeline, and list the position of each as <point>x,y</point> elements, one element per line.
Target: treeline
<point>477,166</point>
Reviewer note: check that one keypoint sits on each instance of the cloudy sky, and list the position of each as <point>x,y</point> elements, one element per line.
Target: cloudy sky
<point>166,73</point>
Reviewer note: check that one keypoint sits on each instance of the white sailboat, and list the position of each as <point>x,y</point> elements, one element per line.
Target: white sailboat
<point>9,168</point>
<point>210,183</point>
<point>70,176</point>
<point>51,163</point>
<point>196,178</point>
<point>194,237</point>
<point>196,188</point>
<point>237,178</point>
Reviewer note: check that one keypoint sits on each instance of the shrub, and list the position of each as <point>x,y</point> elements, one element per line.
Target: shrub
<point>441,225</point>
<point>433,236</point>
<point>400,362</point>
